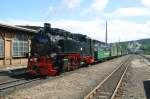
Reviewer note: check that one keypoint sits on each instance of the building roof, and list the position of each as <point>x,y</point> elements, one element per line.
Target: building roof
<point>17,28</point>
<point>30,27</point>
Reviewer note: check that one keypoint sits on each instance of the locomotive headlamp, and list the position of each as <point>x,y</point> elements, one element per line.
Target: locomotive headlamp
<point>81,49</point>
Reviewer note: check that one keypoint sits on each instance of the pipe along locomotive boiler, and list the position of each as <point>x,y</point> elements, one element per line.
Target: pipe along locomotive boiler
<point>54,51</point>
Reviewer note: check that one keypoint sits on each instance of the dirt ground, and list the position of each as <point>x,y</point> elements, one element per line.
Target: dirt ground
<point>71,85</point>
<point>132,86</point>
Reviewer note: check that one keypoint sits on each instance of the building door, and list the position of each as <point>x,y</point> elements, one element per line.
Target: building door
<point>8,53</point>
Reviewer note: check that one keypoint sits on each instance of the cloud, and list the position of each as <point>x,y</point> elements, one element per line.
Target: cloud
<point>95,28</point>
<point>92,28</point>
<point>71,3</point>
<point>146,2</point>
<point>98,5</point>
<point>128,12</point>
<point>128,30</point>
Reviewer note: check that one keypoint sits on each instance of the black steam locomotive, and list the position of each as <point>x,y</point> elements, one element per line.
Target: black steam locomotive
<point>54,51</point>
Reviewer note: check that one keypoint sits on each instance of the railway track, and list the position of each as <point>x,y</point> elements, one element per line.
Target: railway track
<point>13,84</point>
<point>108,88</point>
<point>146,57</point>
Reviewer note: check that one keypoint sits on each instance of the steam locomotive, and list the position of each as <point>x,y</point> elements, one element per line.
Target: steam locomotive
<point>54,51</point>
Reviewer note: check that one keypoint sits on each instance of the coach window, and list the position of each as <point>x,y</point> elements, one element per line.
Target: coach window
<point>20,45</point>
<point>1,47</point>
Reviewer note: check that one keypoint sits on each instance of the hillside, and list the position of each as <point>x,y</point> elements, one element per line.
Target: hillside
<point>142,44</point>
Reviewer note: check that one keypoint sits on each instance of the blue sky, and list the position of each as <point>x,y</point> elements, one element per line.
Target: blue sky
<point>35,10</point>
<point>127,19</point>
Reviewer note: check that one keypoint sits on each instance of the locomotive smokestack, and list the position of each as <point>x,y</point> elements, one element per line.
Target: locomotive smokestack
<point>106,34</point>
<point>47,27</point>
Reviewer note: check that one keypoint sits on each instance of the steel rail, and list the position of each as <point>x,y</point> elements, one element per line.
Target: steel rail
<point>15,83</point>
<point>146,57</point>
<point>10,81</point>
<point>118,85</point>
<point>97,88</point>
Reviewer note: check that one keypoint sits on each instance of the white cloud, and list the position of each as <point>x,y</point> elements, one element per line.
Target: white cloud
<point>128,30</point>
<point>71,3</point>
<point>127,12</point>
<point>146,2</point>
<point>95,28</point>
<point>92,28</point>
<point>99,5</point>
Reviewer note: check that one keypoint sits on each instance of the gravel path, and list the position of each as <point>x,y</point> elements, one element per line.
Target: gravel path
<point>132,86</point>
<point>71,85</point>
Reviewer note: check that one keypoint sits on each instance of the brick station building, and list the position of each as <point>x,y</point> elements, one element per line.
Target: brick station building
<point>14,44</point>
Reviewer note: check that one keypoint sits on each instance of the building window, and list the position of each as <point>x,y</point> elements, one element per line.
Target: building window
<point>20,45</point>
<point>1,48</point>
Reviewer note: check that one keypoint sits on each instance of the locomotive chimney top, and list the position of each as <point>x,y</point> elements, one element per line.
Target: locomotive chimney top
<point>47,27</point>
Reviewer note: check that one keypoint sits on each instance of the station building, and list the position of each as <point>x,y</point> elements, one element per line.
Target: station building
<point>14,44</point>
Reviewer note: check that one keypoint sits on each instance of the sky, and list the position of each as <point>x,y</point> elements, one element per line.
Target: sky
<point>127,19</point>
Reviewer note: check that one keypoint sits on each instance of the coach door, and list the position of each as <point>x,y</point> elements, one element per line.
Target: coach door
<point>8,52</point>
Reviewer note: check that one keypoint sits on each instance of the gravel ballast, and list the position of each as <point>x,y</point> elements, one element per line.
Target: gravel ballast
<point>70,85</point>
